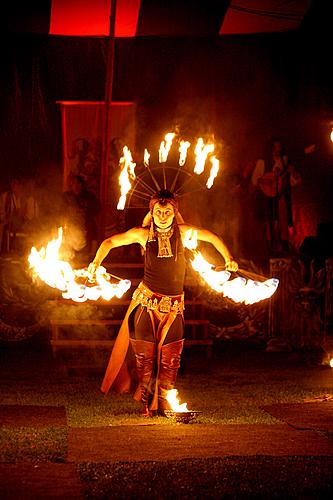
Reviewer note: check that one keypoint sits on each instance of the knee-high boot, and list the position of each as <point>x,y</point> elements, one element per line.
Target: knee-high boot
<point>169,365</point>
<point>145,357</point>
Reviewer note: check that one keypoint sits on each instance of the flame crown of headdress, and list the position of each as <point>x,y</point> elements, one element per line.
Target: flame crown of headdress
<point>177,177</point>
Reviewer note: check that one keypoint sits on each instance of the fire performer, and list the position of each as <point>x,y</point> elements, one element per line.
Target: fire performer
<point>157,304</point>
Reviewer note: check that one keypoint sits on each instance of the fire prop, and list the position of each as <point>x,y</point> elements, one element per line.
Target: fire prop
<point>165,147</point>
<point>126,175</point>
<point>203,153</point>
<point>174,401</point>
<point>239,289</point>
<point>179,411</point>
<point>74,284</point>
<point>183,147</point>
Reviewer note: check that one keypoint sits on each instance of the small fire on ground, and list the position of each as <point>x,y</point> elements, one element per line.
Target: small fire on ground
<point>173,401</point>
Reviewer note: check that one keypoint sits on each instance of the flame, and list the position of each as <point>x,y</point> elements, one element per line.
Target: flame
<point>146,157</point>
<point>249,291</point>
<point>190,240</point>
<point>173,401</point>
<point>331,136</point>
<point>46,265</point>
<point>331,362</point>
<point>215,279</point>
<point>201,152</point>
<point>126,175</point>
<point>165,147</point>
<point>213,171</point>
<point>183,147</point>
<point>238,289</point>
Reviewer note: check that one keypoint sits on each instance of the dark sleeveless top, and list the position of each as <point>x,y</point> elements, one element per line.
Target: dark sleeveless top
<point>165,275</point>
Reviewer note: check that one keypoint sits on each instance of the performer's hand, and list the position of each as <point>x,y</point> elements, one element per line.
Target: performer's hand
<point>92,268</point>
<point>231,265</point>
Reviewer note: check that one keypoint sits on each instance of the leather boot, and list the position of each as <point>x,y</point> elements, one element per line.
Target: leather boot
<point>144,356</point>
<point>170,362</point>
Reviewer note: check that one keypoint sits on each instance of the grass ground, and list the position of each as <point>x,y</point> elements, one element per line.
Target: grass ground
<point>213,478</point>
<point>230,388</point>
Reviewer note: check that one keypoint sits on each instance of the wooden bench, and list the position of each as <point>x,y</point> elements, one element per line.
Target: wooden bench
<point>57,324</point>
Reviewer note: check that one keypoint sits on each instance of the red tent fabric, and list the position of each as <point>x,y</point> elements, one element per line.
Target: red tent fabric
<point>156,17</point>
<point>91,17</point>
<point>263,16</point>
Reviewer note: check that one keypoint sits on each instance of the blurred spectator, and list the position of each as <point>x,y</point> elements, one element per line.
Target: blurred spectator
<point>275,176</point>
<point>79,210</point>
<point>31,212</point>
<point>11,215</point>
<point>252,218</point>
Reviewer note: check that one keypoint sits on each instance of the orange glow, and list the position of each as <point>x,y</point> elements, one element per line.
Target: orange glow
<point>174,402</point>
<point>56,273</point>
<point>146,157</point>
<point>183,147</point>
<point>215,279</point>
<point>238,289</point>
<point>201,152</point>
<point>213,171</point>
<point>165,147</point>
<point>127,174</point>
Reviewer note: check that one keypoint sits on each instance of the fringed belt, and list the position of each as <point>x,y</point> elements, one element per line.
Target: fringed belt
<point>154,301</point>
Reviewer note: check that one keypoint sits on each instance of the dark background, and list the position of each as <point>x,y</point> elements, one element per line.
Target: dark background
<point>242,88</point>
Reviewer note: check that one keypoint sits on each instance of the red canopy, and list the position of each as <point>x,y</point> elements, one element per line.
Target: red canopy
<point>91,17</point>
<point>262,16</point>
<point>155,17</point>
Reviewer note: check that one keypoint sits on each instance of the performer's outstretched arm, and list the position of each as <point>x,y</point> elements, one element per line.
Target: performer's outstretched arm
<point>134,235</point>
<point>216,241</point>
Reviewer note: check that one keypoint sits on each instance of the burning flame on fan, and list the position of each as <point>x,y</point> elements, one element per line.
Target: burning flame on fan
<point>202,152</point>
<point>173,401</point>
<point>46,265</point>
<point>213,171</point>
<point>165,147</point>
<point>126,175</point>
<point>238,289</point>
<point>183,147</point>
<point>146,157</point>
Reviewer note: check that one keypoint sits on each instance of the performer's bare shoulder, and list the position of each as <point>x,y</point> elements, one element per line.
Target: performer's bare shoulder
<point>133,235</point>
<point>140,234</point>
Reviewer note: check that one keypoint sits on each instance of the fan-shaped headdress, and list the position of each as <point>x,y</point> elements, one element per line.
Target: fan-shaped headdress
<point>169,175</point>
